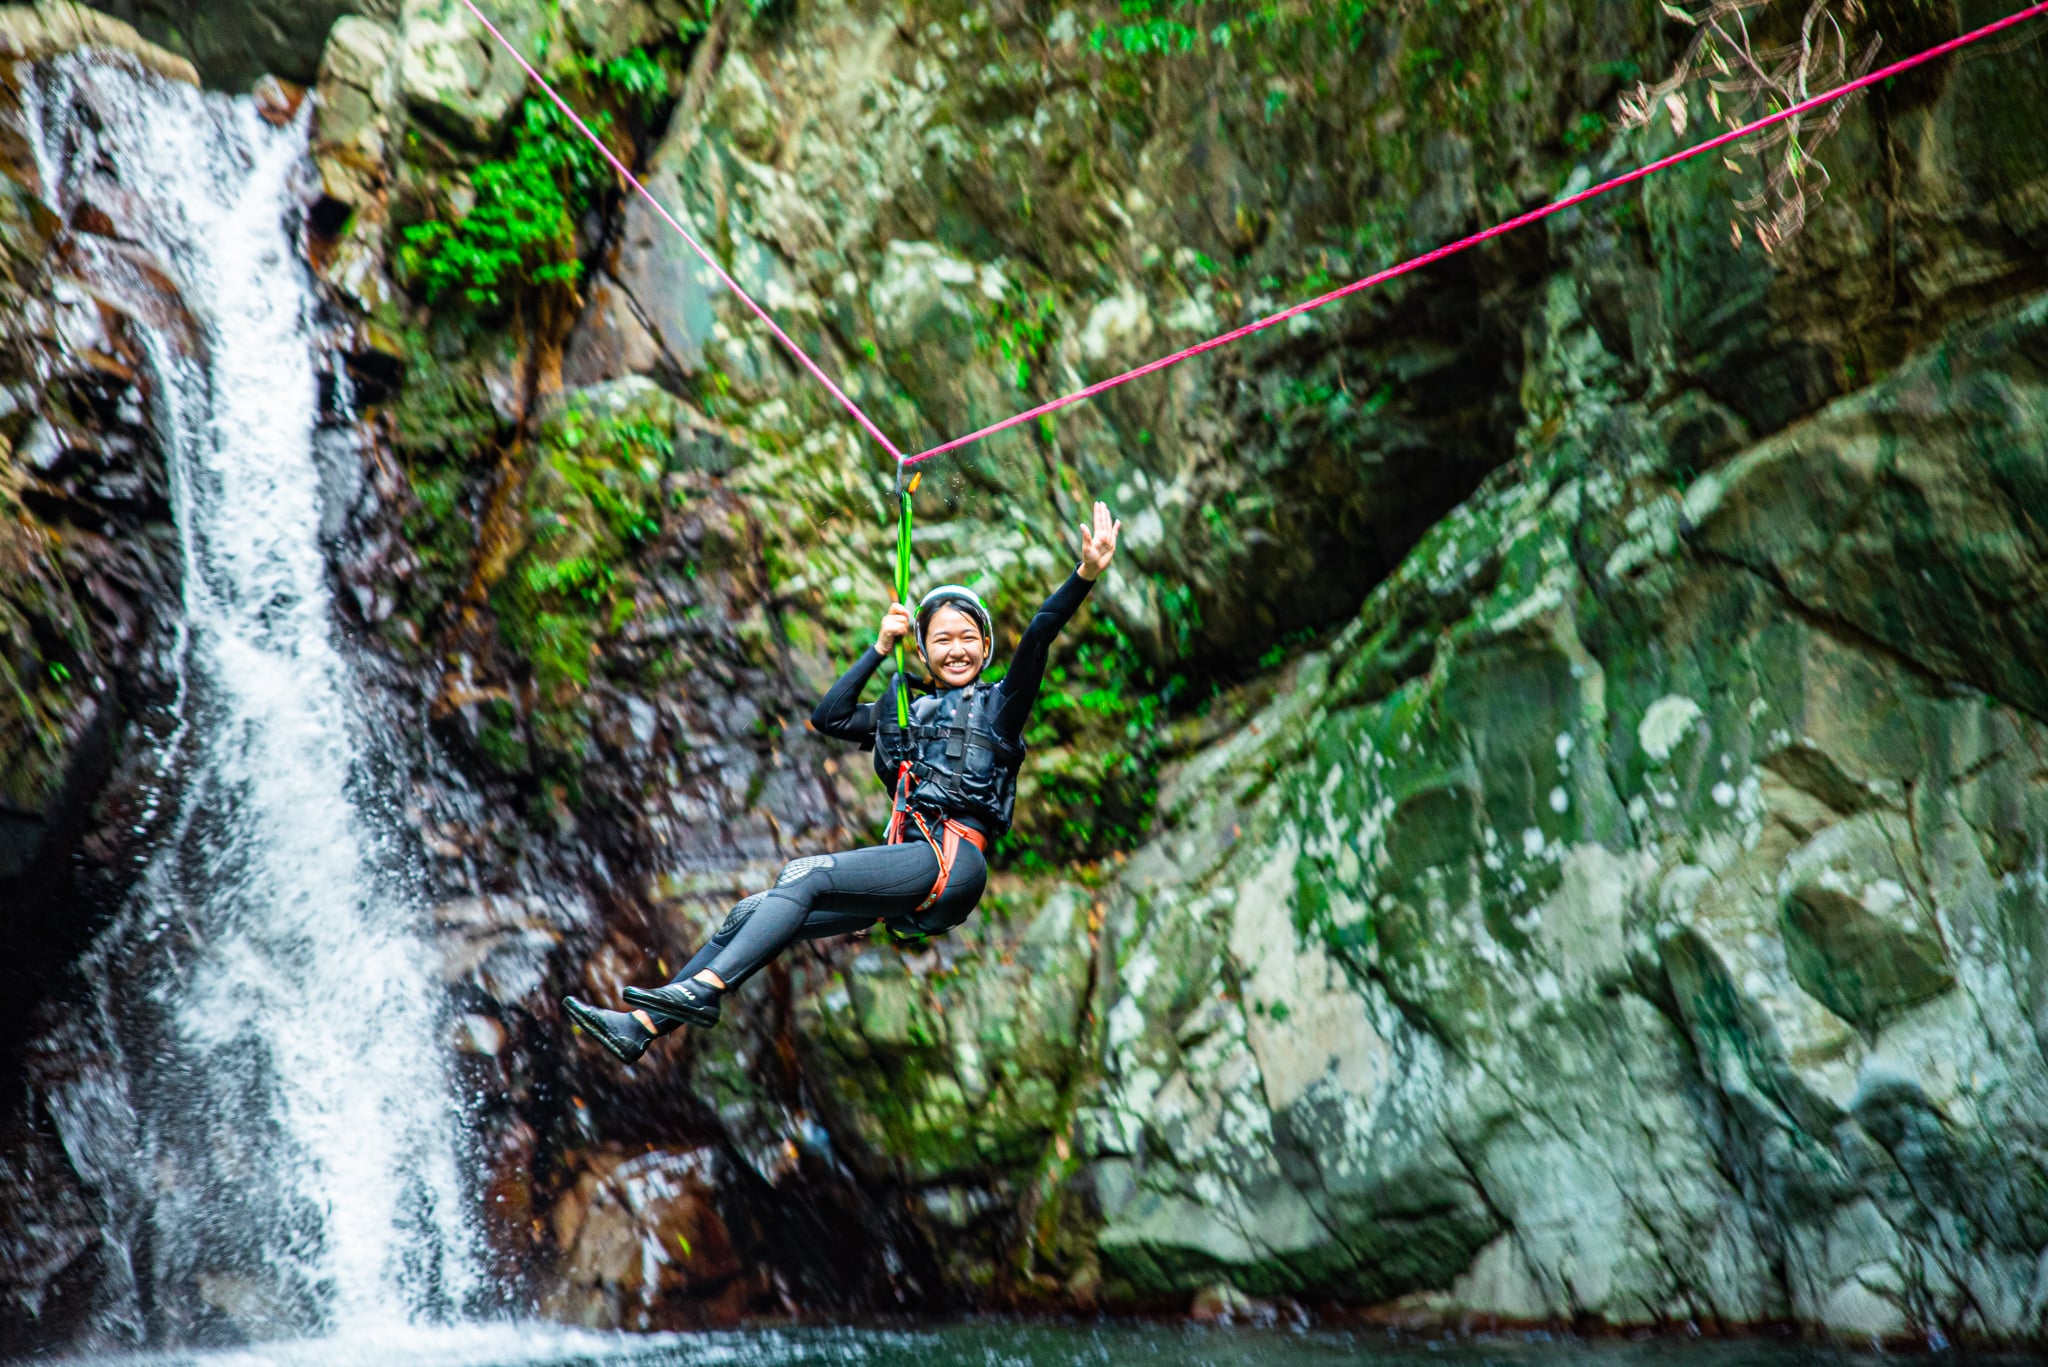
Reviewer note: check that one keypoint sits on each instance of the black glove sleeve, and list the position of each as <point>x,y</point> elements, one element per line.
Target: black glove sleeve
<point>1018,691</point>
<point>840,714</point>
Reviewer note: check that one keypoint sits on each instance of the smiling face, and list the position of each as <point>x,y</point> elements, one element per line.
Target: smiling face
<point>955,648</point>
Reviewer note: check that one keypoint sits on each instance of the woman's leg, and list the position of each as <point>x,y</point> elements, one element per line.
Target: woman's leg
<point>658,1024</point>
<point>816,896</point>
<point>817,925</point>
<point>827,894</point>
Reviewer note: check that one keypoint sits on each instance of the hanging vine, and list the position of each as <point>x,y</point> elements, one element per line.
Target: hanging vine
<point>1744,76</point>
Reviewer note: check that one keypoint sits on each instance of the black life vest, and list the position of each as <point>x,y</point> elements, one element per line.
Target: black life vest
<point>959,766</point>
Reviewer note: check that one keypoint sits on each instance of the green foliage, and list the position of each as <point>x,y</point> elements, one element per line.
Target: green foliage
<point>575,576</point>
<point>521,230</point>
<point>594,508</point>
<point>1584,132</point>
<point>637,77</point>
<point>1163,28</point>
<point>1108,710</point>
<point>1276,654</point>
<point>616,466</point>
<point>1423,65</point>
<point>1292,56</point>
<point>1020,328</point>
<point>1143,33</point>
<point>558,645</point>
<point>1437,76</point>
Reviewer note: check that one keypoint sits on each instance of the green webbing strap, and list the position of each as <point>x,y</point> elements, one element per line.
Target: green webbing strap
<point>902,594</point>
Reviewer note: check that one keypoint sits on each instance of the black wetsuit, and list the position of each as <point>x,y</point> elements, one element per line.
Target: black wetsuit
<point>836,894</point>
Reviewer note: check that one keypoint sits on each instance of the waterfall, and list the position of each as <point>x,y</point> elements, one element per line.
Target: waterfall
<point>277,996</point>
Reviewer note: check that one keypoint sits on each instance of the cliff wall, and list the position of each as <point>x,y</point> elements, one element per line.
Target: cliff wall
<point>1544,821</point>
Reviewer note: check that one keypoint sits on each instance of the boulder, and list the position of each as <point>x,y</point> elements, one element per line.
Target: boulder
<point>1859,934</point>
<point>34,32</point>
<point>454,76</point>
<point>353,127</point>
<point>641,1236</point>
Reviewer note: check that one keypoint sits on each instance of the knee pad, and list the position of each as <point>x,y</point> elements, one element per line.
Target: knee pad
<point>799,869</point>
<point>737,917</point>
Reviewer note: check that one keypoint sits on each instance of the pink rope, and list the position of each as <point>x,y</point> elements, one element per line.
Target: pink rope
<point>788,344</point>
<point>1487,235</point>
<point>1271,320</point>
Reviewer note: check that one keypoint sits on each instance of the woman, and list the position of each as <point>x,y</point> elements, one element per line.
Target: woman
<point>953,771</point>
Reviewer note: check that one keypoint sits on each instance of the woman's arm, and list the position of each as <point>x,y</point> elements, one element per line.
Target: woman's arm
<point>841,714</point>
<point>1019,689</point>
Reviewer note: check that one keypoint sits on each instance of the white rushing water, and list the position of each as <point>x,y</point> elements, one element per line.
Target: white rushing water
<point>294,1101</point>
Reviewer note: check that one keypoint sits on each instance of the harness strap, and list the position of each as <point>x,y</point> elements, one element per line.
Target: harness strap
<point>895,836</point>
<point>945,845</point>
<point>947,848</point>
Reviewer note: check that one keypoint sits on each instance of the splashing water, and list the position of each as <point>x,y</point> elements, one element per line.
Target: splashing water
<point>288,1069</point>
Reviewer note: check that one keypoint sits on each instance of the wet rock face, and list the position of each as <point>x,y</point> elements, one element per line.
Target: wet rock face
<point>973,212</point>
<point>1652,881</point>
<point>645,1247</point>
<point>1635,913</point>
<point>1628,915</point>
<point>88,561</point>
<point>89,593</point>
<point>1632,914</point>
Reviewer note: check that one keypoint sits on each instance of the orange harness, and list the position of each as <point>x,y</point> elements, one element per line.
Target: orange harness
<point>946,845</point>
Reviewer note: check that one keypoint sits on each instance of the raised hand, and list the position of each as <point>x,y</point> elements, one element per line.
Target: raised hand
<point>1098,544</point>
<point>896,624</point>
